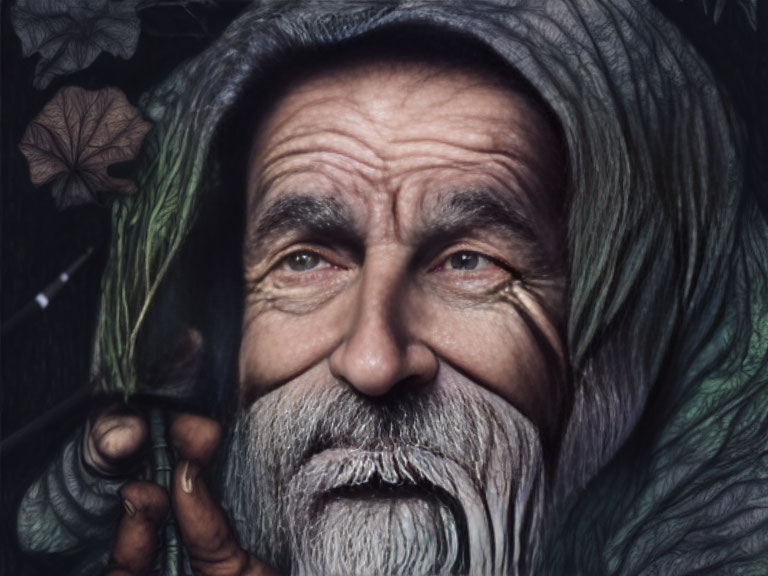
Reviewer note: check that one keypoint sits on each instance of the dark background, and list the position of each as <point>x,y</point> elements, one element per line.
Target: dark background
<point>45,360</point>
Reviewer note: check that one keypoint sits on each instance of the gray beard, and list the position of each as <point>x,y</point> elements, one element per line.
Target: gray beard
<point>446,479</point>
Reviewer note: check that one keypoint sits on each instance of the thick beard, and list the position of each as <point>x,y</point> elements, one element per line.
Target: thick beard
<point>443,479</point>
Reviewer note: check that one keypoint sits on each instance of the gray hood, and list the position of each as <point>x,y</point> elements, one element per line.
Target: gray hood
<point>666,329</point>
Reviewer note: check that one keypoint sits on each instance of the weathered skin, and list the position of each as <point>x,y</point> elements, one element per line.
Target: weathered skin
<point>392,149</point>
<point>394,281</point>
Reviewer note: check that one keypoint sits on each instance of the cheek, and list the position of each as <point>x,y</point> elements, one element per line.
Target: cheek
<point>494,347</point>
<point>278,346</point>
<point>489,342</point>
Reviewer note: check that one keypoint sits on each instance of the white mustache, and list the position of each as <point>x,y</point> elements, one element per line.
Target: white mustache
<point>451,420</point>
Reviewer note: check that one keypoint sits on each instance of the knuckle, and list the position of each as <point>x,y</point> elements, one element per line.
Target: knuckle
<point>195,437</point>
<point>147,499</point>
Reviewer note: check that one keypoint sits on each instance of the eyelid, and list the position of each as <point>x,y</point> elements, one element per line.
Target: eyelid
<point>321,251</point>
<point>483,261</point>
<point>446,253</point>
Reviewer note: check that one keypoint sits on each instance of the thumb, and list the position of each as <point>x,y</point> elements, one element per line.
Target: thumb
<point>212,547</point>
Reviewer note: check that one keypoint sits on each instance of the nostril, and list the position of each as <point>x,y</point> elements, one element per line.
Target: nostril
<point>371,366</point>
<point>412,382</point>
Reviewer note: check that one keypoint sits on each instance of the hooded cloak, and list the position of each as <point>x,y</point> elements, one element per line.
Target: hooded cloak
<point>663,462</point>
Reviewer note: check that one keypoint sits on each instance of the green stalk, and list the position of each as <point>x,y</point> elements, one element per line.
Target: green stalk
<point>162,477</point>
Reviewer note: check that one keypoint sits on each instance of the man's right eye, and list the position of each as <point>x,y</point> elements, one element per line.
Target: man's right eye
<point>304,261</point>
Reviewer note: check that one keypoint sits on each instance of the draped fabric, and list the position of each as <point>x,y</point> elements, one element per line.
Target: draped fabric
<point>663,465</point>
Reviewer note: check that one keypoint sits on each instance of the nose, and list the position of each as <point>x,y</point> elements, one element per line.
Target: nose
<point>379,351</point>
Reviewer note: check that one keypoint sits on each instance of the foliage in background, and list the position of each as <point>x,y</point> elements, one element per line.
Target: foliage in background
<point>76,137</point>
<point>70,34</point>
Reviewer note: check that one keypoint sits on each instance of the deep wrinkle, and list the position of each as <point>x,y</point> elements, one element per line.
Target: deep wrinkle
<point>423,228</point>
<point>544,329</point>
<point>462,177</point>
<point>322,225</point>
<point>326,221</point>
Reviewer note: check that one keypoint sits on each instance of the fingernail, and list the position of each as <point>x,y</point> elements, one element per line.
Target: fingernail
<point>130,509</point>
<point>186,479</point>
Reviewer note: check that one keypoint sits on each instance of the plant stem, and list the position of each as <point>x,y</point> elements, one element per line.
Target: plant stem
<point>162,472</point>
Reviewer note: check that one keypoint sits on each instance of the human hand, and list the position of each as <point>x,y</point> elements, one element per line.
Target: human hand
<point>211,545</point>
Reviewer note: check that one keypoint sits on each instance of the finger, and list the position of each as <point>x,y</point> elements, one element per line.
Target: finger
<point>195,437</point>
<point>135,548</point>
<point>116,437</point>
<point>212,547</point>
<point>202,524</point>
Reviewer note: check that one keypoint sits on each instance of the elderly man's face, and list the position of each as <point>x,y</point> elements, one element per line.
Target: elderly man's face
<point>401,253</point>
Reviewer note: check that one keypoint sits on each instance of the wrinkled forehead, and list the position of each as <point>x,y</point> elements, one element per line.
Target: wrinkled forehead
<point>386,124</point>
<point>415,98</point>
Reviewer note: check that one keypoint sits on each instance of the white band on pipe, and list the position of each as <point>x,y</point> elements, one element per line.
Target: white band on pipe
<point>42,300</point>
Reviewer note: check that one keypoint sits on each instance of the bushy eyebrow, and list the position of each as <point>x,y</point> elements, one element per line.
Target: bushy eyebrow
<point>317,217</point>
<point>459,213</point>
<point>326,219</point>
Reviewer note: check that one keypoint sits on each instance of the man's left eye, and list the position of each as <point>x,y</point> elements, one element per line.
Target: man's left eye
<point>304,261</point>
<point>467,261</point>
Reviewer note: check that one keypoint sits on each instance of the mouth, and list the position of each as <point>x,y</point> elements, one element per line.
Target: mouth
<point>371,477</point>
<point>395,472</point>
